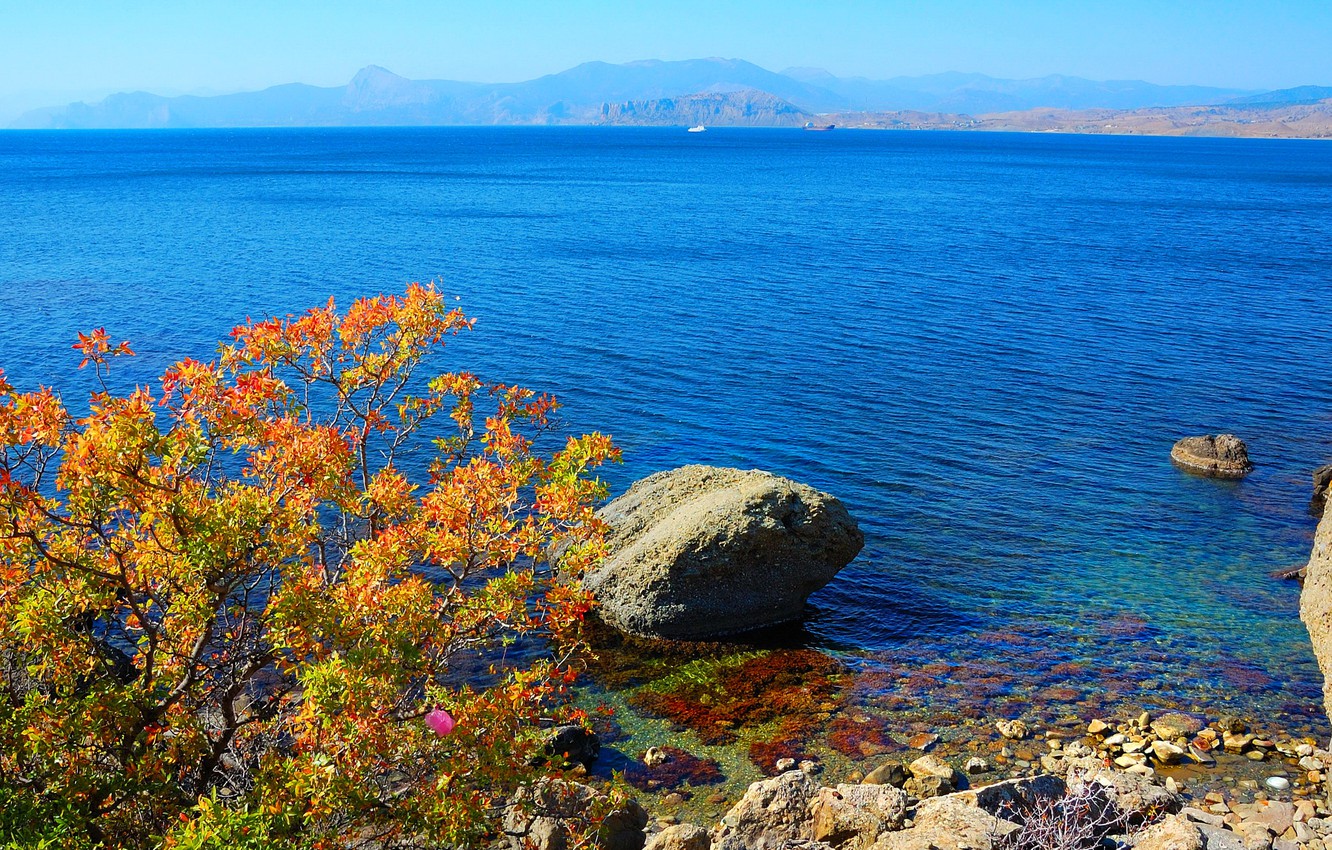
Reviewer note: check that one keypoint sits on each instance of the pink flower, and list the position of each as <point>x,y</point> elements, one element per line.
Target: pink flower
<point>440,721</point>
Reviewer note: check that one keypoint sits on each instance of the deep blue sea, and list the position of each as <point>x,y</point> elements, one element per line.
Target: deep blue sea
<point>984,344</point>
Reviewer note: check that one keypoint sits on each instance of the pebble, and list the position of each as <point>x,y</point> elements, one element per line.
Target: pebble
<point>1277,783</point>
<point>785,764</point>
<point>922,741</point>
<point>1166,752</point>
<point>1096,727</point>
<point>1199,816</point>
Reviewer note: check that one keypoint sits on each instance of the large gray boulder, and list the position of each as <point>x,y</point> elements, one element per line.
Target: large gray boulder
<point>701,552</point>
<point>1316,603</point>
<point>1219,456</point>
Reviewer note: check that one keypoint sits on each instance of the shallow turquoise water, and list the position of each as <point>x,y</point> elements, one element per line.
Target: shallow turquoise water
<point>984,344</point>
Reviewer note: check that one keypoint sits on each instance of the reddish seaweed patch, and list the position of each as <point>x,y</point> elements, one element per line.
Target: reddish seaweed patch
<point>861,736</point>
<point>782,684</point>
<point>680,767</point>
<point>791,741</point>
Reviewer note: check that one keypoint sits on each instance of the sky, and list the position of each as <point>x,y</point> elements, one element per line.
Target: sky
<point>55,51</point>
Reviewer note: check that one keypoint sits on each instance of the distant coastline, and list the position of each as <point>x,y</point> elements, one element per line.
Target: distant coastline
<point>1304,121</point>
<point>726,93</point>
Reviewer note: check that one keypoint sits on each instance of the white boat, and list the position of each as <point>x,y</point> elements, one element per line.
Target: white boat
<point>699,129</point>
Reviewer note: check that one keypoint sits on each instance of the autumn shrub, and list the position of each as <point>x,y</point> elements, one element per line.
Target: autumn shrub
<point>229,600</point>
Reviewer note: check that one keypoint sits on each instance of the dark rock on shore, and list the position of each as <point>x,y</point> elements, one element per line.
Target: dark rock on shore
<point>701,552</point>
<point>1322,482</point>
<point>1219,456</point>
<point>573,743</point>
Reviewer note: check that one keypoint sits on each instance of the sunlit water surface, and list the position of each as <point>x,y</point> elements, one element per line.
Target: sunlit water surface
<point>983,344</point>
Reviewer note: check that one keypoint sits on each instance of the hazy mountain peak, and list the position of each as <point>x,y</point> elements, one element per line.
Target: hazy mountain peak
<point>374,87</point>
<point>373,74</point>
<point>817,76</point>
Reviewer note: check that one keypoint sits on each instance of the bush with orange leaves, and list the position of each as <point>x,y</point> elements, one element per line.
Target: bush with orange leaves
<point>228,604</point>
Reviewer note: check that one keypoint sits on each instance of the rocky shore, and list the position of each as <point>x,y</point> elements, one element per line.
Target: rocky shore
<point>1172,782</point>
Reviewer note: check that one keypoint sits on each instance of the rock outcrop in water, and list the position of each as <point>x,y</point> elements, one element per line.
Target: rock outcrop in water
<point>701,552</point>
<point>1316,603</point>
<point>1220,456</point>
<point>1322,483</point>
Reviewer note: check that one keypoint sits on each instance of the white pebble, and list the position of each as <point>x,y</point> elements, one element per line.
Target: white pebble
<point>1278,783</point>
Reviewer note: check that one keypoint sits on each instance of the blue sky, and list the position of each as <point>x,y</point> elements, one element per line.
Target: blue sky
<point>65,49</point>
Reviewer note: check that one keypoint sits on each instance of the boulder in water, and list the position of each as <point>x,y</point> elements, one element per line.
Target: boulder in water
<point>702,552</point>
<point>1219,456</point>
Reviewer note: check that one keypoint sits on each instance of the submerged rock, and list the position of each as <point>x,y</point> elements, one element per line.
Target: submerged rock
<point>701,552</point>
<point>1316,603</point>
<point>1219,456</point>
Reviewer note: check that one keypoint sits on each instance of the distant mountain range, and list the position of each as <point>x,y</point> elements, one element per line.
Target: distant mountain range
<point>712,91</point>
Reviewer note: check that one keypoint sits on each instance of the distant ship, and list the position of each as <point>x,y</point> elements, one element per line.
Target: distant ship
<point>699,129</point>
<point>819,127</point>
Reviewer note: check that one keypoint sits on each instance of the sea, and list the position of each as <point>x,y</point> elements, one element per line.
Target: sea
<point>984,344</point>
